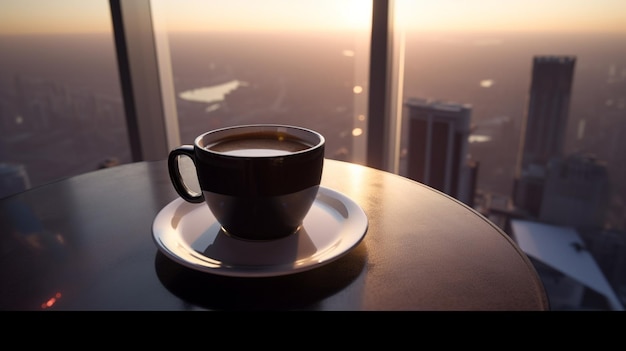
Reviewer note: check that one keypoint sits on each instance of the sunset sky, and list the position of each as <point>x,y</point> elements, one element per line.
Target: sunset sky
<point>37,16</point>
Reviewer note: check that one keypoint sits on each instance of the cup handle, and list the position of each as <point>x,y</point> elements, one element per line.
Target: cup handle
<point>176,177</point>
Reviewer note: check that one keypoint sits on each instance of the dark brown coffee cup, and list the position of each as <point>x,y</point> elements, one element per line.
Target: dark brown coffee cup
<point>259,180</point>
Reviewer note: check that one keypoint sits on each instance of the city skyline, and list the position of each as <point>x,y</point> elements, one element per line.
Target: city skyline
<point>497,107</point>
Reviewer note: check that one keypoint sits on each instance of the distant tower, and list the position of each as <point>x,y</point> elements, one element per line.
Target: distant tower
<point>438,147</point>
<point>544,129</point>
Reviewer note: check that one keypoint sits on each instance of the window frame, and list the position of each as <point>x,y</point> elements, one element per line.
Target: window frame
<point>146,81</point>
<point>149,98</point>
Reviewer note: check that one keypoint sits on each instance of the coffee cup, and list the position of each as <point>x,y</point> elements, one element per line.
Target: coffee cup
<point>259,180</point>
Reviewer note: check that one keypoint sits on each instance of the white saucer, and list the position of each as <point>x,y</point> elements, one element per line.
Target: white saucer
<point>189,234</point>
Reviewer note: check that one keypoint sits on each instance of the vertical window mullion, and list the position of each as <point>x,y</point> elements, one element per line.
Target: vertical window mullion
<point>378,82</point>
<point>385,90</point>
<point>152,132</point>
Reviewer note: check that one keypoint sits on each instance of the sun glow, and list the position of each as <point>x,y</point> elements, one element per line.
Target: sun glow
<point>304,15</point>
<point>355,14</point>
<point>30,16</point>
<point>527,15</point>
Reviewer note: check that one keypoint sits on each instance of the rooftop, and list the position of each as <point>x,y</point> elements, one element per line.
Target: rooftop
<point>563,249</point>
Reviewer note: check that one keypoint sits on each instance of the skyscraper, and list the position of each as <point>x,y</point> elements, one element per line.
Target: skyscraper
<point>437,147</point>
<point>544,129</point>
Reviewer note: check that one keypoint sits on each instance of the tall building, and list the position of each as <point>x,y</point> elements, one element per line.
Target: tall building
<point>544,129</point>
<point>437,150</point>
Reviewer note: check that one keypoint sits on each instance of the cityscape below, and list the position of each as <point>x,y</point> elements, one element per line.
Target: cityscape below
<point>64,115</point>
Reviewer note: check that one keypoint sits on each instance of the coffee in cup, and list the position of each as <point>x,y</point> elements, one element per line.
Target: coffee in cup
<point>259,181</point>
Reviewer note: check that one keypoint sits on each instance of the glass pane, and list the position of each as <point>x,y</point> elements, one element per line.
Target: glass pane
<point>518,109</point>
<point>61,110</point>
<point>293,62</point>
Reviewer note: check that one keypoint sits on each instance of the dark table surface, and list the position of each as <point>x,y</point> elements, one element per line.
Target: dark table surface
<point>86,243</point>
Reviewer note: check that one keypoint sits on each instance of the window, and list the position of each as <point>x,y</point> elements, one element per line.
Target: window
<point>458,80</point>
<point>290,62</point>
<point>61,111</point>
<point>539,86</point>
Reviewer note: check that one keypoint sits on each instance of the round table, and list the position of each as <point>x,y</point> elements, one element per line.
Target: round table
<point>86,243</point>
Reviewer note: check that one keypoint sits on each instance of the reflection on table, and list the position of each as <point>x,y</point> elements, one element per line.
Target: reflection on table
<point>86,243</point>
